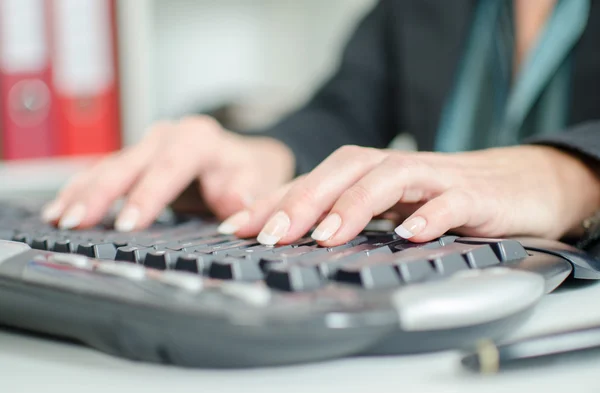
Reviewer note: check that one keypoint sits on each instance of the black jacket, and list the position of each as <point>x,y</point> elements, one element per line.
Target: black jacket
<point>396,73</point>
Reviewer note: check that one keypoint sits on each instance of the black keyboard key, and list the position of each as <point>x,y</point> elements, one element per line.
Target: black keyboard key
<point>238,269</point>
<point>135,254</point>
<point>66,246</point>
<point>368,275</point>
<point>99,251</point>
<point>161,260</point>
<point>293,278</point>
<point>45,243</point>
<point>193,263</point>
<point>505,249</point>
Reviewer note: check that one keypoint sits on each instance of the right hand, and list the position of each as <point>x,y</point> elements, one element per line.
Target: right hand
<point>231,170</point>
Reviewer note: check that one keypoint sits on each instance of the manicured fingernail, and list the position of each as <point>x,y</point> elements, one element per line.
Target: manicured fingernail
<point>72,217</point>
<point>411,227</point>
<point>234,223</point>
<point>327,228</point>
<point>127,219</point>
<point>276,228</point>
<point>52,211</point>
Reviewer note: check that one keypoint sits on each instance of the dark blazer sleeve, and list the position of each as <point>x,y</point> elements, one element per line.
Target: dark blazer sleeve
<point>583,138</point>
<point>353,107</point>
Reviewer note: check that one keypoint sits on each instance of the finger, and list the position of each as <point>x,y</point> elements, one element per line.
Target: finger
<point>190,150</point>
<point>231,190</point>
<point>308,199</point>
<point>397,179</point>
<point>249,221</point>
<point>452,209</point>
<point>88,199</point>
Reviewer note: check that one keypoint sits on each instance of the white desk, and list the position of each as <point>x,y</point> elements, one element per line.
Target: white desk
<point>36,365</point>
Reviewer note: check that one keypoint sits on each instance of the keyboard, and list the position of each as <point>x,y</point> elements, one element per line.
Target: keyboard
<point>181,294</point>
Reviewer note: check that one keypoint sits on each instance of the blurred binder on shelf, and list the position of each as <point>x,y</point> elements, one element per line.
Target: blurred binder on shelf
<point>25,79</point>
<point>85,77</point>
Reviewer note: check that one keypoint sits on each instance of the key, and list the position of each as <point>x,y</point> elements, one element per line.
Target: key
<point>43,243</point>
<point>229,268</point>
<point>66,246</point>
<point>384,271</point>
<point>278,257</point>
<point>505,249</point>
<point>99,251</point>
<point>445,260</point>
<point>476,255</point>
<point>191,246</point>
<point>368,275</point>
<point>193,263</point>
<point>222,248</point>
<point>134,254</point>
<point>293,278</point>
<point>161,260</point>
<point>328,264</point>
<point>415,271</point>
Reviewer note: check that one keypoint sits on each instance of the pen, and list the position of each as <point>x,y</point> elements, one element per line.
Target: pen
<point>489,357</point>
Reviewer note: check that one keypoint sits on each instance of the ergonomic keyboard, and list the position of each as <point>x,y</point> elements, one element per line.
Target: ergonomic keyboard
<point>179,293</point>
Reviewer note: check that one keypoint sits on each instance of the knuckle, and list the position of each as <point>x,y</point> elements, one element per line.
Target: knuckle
<point>358,195</point>
<point>359,153</point>
<point>349,150</point>
<point>168,164</point>
<point>142,197</point>
<point>159,129</point>
<point>403,162</point>
<point>196,123</point>
<point>301,195</point>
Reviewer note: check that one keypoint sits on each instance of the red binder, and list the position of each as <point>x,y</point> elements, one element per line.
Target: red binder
<point>85,78</point>
<point>25,76</point>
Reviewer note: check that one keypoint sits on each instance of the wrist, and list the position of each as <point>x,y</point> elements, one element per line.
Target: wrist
<point>578,180</point>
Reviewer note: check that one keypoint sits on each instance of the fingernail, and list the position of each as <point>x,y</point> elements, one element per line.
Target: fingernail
<point>72,217</point>
<point>327,228</point>
<point>234,223</point>
<point>127,219</point>
<point>276,228</point>
<point>411,227</point>
<point>52,211</point>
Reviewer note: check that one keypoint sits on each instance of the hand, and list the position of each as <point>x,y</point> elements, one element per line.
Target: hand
<point>526,190</point>
<point>231,169</point>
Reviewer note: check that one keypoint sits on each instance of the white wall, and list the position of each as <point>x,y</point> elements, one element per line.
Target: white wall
<point>184,54</point>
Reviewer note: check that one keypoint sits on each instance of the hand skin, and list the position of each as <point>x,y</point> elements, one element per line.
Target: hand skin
<point>516,191</point>
<point>231,170</point>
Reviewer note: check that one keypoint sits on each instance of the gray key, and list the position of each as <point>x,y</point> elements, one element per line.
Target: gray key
<point>505,249</point>
<point>293,278</point>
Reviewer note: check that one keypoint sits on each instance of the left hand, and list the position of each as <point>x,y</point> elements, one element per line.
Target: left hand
<point>517,191</point>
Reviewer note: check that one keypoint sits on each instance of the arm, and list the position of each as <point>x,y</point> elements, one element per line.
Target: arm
<point>353,107</point>
<point>583,143</point>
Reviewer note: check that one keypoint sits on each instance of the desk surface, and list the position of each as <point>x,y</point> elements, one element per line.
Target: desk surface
<point>35,365</point>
